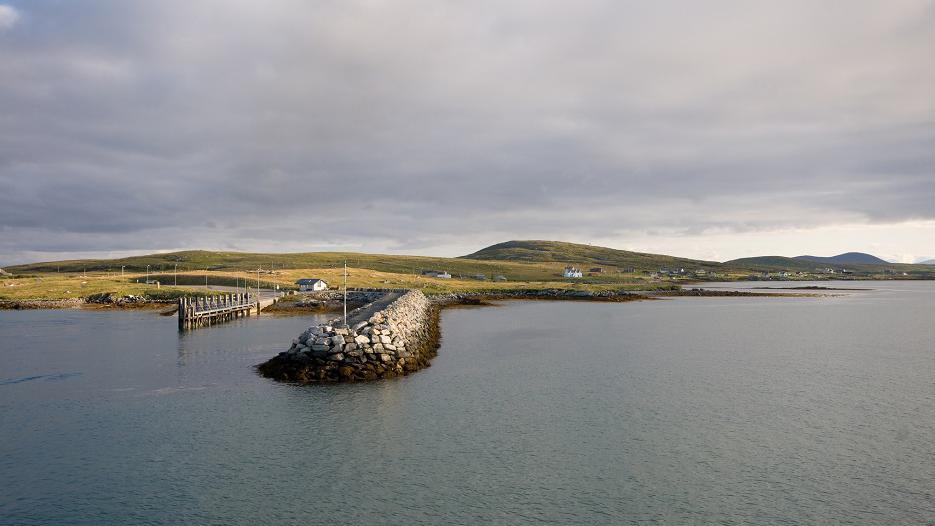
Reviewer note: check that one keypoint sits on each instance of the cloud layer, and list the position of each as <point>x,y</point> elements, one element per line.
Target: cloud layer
<point>438,127</point>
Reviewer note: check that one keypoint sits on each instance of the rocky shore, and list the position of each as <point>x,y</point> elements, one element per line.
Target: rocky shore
<point>727,293</point>
<point>397,340</point>
<point>474,298</point>
<point>106,299</point>
<point>70,303</point>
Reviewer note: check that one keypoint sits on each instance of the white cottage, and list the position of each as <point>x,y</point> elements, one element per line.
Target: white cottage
<point>573,272</point>
<point>311,285</point>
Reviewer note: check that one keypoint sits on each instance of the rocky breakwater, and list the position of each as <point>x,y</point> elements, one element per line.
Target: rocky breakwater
<point>395,341</point>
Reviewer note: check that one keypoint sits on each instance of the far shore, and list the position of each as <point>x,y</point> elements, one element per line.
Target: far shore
<point>293,305</point>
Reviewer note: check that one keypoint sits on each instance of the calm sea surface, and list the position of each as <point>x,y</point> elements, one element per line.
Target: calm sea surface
<point>690,410</point>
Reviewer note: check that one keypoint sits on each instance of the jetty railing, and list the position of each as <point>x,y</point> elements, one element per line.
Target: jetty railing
<point>209,310</point>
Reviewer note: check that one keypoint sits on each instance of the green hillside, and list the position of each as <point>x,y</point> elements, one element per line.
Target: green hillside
<point>574,253</point>
<point>848,258</point>
<point>781,263</point>
<point>517,260</point>
<point>768,263</point>
<point>195,260</point>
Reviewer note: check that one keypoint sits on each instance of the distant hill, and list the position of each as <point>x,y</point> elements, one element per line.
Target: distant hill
<point>927,262</point>
<point>199,260</point>
<point>537,251</point>
<point>772,263</point>
<point>848,258</point>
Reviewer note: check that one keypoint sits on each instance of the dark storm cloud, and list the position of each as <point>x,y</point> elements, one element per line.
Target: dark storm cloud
<point>410,125</point>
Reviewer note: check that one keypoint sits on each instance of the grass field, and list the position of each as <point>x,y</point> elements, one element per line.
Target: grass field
<point>61,285</point>
<point>56,286</point>
<point>524,264</point>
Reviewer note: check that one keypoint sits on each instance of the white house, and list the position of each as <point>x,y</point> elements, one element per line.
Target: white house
<point>436,274</point>
<point>310,285</point>
<point>572,272</point>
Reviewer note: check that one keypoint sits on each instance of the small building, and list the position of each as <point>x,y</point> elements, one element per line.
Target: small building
<point>436,274</point>
<point>481,277</point>
<point>311,285</point>
<point>572,272</point>
<point>597,270</point>
<point>499,278</point>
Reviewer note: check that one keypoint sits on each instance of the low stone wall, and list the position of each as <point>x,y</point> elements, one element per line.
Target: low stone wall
<point>395,341</point>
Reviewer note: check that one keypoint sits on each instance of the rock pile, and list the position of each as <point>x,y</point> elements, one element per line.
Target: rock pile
<point>400,339</point>
<point>111,298</point>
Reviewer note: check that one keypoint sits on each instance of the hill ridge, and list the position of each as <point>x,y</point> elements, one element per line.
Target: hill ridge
<point>846,258</point>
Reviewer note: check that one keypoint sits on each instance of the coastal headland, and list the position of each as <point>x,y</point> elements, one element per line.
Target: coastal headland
<point>528,269</point>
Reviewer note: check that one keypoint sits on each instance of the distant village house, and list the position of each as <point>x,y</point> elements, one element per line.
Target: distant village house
<point>572,272</point>
<point>436,274</point>
<point>311,285</point>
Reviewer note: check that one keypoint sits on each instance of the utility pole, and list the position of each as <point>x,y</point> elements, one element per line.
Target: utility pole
<point>147,274</point>
<point>345,293</point>
<point>121,270</point>
<point>176,274</point>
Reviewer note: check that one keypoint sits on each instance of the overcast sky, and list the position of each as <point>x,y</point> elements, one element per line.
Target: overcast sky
<point>714,129</point>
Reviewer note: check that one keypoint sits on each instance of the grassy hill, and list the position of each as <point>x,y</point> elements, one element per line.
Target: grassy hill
<point>848,258</point>
<point>882,271</point>
<point>197,260</point>
<point>523,263</point>
<point>769,263</point>
<point>583,255</point>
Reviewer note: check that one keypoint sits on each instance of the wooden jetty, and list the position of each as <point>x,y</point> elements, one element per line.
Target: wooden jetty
<point>210,310</point>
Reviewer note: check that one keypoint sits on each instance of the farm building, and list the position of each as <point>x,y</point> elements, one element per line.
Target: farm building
<point>311,285</point>
<point>572,272</point>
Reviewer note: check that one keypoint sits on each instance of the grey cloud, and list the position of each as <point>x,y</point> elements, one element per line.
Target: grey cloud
<point>407,125</point>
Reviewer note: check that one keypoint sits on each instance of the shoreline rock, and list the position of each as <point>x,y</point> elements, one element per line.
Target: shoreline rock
<point>70,303</point>
<point>480,298</point>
